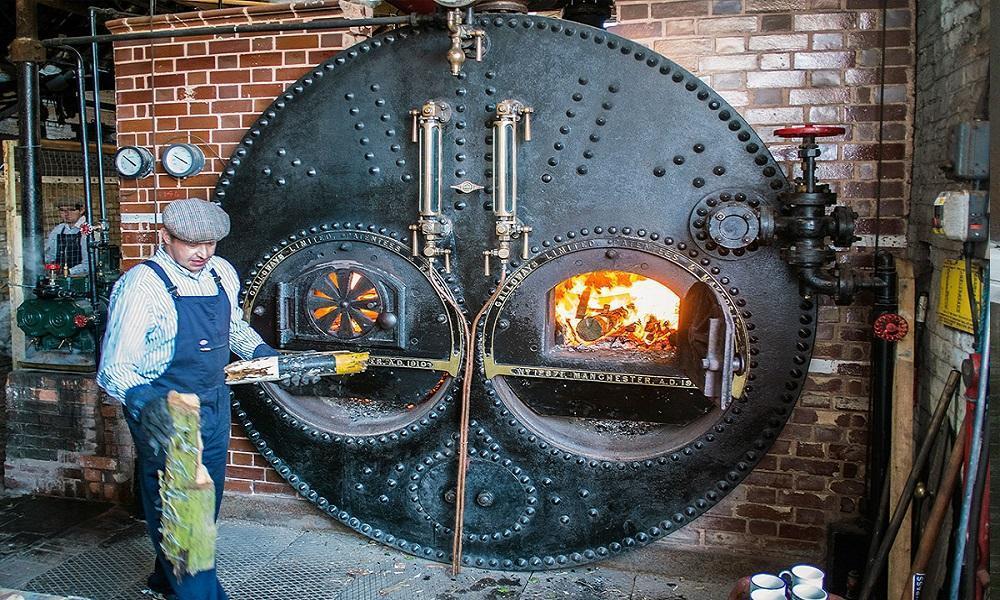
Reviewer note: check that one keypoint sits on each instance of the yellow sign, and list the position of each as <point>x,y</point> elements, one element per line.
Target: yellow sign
<point>953,301</point>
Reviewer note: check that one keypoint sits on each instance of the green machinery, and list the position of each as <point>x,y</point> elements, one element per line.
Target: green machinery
<point>63,319</point>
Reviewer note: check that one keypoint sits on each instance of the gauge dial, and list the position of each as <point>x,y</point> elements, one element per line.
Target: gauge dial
<point>182,160</point>
<point>133,162</point>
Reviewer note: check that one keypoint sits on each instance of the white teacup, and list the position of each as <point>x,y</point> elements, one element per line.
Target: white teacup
<point>763,594</point>
<point>807,574</point>
<point>766,581</point>
<point>804,591</point>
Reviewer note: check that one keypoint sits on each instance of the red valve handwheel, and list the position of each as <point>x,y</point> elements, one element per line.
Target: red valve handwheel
<point>891,327</point>
<point>81,321</point>
<point>809,130</point>
<point>52,267</point>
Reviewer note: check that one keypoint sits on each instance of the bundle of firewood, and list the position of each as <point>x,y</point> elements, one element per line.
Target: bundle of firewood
<point>187,493</point>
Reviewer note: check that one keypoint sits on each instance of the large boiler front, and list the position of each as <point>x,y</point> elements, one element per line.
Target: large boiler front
<point>641,348</point>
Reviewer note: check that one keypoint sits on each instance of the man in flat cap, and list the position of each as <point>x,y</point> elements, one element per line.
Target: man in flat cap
<point>172,323</point>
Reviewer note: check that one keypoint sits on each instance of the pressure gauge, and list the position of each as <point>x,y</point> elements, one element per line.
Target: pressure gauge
<point>182,160</point>
<point>133,162</point>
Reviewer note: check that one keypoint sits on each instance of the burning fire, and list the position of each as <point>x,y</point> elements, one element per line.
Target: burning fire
<point>616,309</point>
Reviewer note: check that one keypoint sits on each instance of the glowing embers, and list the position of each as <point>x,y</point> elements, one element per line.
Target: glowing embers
<point>615,310</point>
<point>344,303</point>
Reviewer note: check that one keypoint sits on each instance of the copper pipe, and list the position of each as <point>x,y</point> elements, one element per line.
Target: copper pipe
<point>463,432</point>
<point>928,541</point>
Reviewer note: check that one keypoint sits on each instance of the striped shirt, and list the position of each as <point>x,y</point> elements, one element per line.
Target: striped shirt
<point>142,321</point>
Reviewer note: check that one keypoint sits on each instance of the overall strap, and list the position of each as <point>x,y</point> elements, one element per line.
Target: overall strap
<point>171,288</point>
<point>218,281</point>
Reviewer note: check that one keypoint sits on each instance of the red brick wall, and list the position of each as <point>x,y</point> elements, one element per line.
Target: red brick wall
<point>65,438</point>
<point>780,62</point>
<point>207,91</point>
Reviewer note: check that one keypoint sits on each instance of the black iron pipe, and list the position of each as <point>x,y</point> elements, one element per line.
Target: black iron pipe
<point>883,358</point>
<point>874,568</point>
<point>27,54</point>
<point>321,24</point>
<point>81,83</point>
<point>32,236</point>
<point>98,129</point>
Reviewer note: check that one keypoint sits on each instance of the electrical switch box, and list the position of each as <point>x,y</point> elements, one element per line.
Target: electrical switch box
<point>970,150</point>
<point>962,216</point>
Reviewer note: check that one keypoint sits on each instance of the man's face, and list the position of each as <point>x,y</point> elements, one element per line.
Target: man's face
<point>190,255</point>
<point>70,214</point>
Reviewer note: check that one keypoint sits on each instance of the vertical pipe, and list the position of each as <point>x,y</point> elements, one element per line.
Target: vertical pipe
<point>26,51</point>
<point>98,133</point>
<point>81,83</point>
<point>31,179</point>
<point>883,355</point>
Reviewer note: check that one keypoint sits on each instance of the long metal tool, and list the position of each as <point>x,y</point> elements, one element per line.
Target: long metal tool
<point>974,454</point>
<point>874,570</point>
<point>928,541</point>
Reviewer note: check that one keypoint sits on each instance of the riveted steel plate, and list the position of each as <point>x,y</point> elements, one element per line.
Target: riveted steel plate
<point>625,146</point>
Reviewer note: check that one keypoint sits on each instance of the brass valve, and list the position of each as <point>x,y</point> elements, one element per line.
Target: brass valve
<point>460,32</point>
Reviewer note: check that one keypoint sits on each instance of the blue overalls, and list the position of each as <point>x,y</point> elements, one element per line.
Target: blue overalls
<point>201,350</point>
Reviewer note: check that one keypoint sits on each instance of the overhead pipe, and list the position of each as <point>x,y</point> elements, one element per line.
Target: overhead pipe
<point>321,24</point>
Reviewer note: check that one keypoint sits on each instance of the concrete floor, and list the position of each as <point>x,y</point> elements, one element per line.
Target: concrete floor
<point>281,548</point>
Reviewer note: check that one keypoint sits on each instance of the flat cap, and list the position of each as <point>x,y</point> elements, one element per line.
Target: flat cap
<point>196,220</point>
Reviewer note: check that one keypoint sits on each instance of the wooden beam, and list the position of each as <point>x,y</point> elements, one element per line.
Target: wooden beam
<point>15,251</point>
<point>901,458</point>
<point>74,146</point>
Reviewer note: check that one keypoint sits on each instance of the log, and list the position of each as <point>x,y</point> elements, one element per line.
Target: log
<point>187,493</point>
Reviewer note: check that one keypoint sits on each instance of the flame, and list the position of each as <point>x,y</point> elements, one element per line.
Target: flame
<point>603,307</point>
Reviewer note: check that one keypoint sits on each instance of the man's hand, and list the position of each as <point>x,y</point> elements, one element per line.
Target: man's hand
<point>155,420</point>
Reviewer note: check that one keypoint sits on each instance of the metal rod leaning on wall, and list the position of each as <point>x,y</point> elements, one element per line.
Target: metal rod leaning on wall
<point>874,568</point>
<point>972,469</point>
<point>928,542</point>
<point>413,20</point>
<point>81,82</point>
